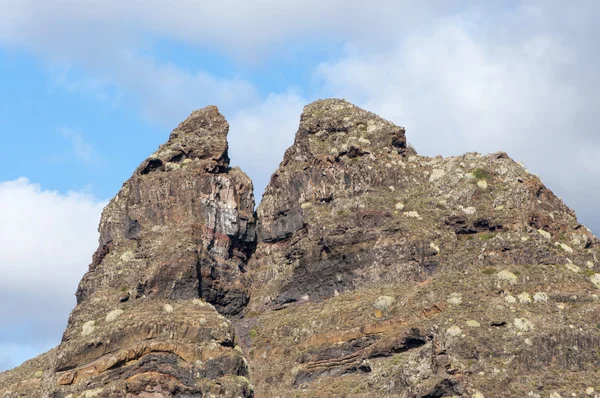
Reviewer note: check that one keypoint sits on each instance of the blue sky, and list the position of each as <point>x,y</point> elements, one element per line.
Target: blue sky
<point>85,134</point>
<point>65,140</point>
<point>88,90</point>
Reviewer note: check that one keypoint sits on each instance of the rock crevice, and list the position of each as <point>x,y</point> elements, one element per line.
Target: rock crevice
<point>366,271</point>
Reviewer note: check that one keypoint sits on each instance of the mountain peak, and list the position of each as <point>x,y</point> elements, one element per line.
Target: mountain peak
<point>200,137</point>
<point>336,126</point>
<point>366,271</point>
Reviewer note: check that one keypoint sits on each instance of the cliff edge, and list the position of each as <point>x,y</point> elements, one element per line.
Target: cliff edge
<point>367,270</point>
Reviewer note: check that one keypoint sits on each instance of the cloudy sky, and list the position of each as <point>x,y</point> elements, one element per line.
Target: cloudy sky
<point>89,89</point>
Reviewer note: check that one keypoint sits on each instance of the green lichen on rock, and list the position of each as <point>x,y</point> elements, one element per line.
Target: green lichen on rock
<point>564,247</point>
<point>92,393</point>
<point>454,331</point>
<point>525,298</point>
<point>595,278</point>
<point>366,271</point>
<point>473,323</point>
<point>540,297</point>
<point>113,315</point>
<point>523,324</point>
<point>508,276</point>
<point>455,298</point>
<point>545,234</point>
<point>383,303</point>
<point>88,328</point>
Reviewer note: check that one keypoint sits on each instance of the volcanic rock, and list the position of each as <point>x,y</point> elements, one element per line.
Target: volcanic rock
<point>173,247</point>
<point>353,214</point>
<point>367,271</point>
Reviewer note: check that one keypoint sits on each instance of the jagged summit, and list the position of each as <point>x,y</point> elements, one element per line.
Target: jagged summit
<point>337,127</point>
<point>338,115</point>
<point>202,136</point>
<point>173,248</point>
<point>366,271</point>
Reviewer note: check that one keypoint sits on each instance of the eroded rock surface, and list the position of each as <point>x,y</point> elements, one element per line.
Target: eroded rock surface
<point>182,226</point>
<point>173,248</point>
<point>370,271</point>
<point>382,273</point>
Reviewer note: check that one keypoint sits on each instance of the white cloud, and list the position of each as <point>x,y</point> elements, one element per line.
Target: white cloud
<point>80,148</point>
<point>246,29</point>
<point>46,242</point>
<point>62,76</point>
<point>109,40</point>
<point>260,134</point>
<point>164,93</point>
<point>168,92</point>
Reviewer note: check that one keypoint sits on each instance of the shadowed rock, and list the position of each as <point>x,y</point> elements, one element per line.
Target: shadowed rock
<point>371,271</point>
<point>353,216</point>
<point>173,247</point>
<point>182,226</point>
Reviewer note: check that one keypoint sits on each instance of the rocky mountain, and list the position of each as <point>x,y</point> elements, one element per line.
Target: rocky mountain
<point>366,271</point>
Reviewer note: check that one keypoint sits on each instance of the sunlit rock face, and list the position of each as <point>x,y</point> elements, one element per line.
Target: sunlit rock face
<point>366,271</point>
<point>172,259</point>
<point>382,273</point>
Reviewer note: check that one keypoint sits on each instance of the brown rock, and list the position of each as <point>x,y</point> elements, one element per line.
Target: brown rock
<point>372,272</point>
<point>182,226</point>
<point>174,242</point>
<point>353,214</point>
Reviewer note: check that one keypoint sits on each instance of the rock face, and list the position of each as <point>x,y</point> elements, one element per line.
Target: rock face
<point>312,230</point>
<point>182,227</point>
<point>379,272</point>
<point>371,272</point>
<point>173,247</point>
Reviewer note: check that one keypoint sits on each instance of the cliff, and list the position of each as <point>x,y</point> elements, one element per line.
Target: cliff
<point>366,271</point>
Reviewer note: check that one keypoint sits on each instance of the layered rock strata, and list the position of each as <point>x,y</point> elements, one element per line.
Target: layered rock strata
<point>174,244</point>
<point>382,273</point>
<point>368,271</point>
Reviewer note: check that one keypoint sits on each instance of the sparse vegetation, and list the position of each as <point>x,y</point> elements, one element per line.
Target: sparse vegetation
<point>487,236</point>
<point>253,333</point>
<point>398,359</point>
<point>384,266</point>
<point>343,213</point>
<point>481,174</point>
